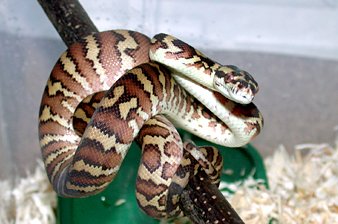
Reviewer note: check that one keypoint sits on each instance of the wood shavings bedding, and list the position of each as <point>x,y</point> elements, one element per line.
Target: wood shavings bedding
<point>31,200</point>
<point>303,189</point>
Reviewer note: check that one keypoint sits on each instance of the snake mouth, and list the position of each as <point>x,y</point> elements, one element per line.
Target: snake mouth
<point>241,97</point>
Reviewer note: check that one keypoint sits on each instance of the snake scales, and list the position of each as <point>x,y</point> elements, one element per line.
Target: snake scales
<point>83,159</point>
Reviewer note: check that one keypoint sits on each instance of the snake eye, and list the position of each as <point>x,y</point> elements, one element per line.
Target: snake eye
<point>240,85</point>
<point>229,78</point>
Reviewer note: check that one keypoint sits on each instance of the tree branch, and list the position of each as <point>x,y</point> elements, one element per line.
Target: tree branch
<point>69,19</point>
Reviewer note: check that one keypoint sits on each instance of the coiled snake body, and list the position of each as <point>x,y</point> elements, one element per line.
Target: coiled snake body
<point>138,93</point>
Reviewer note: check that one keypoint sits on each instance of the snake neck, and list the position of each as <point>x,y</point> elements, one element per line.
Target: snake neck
<point>183,60</point>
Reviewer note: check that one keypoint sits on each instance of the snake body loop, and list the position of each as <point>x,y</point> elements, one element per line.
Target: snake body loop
<point>136,93</point>
<point>165,168</point>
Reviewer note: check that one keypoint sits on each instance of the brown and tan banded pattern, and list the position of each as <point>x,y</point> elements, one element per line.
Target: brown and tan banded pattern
<point>81,166</point>
<point>162,154</point>
<point>165,168</point>
<point>87,67</point>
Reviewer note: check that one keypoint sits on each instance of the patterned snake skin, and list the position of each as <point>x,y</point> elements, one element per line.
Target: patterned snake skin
<point>83,152</point>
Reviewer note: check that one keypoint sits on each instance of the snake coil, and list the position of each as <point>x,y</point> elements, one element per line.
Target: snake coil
<point>138,97</point>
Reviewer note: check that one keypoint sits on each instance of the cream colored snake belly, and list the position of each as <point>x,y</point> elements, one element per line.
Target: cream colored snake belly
<point>139,92</point>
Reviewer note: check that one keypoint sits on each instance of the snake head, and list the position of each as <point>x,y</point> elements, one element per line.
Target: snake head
<point>235,84</point>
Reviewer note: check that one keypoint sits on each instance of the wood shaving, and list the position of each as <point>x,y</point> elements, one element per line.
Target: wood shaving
<point>120,202</point>
<point>30,200</point>
<point>303,188</point>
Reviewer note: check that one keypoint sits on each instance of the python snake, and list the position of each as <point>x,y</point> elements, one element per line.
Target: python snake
<point>138,93</point>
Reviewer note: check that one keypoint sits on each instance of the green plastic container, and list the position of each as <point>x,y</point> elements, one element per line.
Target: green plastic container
<point>117,204</point>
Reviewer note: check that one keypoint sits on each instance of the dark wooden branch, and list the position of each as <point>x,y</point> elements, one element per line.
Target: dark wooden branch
<point>69,19</point>
<point>72,23</point>
<point>204,203</point>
